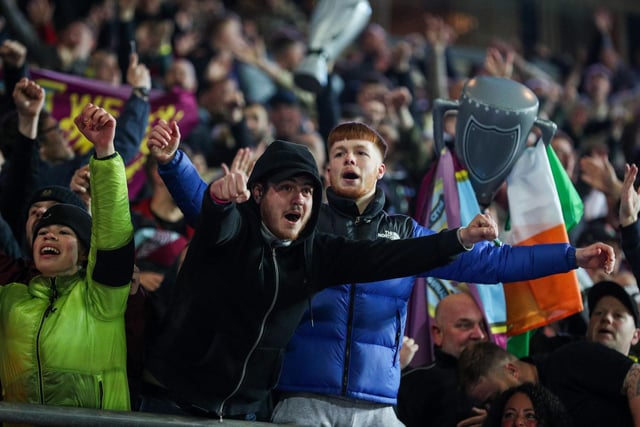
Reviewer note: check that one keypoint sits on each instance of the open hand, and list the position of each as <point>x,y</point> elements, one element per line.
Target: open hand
<point>629,197</point>
<point>232,187</point>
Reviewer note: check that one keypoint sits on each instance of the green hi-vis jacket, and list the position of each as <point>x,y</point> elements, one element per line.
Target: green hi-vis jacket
<point>62,339</point>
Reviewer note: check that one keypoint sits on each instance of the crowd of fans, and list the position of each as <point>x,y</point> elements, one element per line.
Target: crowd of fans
<point>237,59</point>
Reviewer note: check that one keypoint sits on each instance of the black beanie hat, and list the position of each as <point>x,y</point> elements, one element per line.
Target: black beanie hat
<point>59,194</point>
<point>70,215</point>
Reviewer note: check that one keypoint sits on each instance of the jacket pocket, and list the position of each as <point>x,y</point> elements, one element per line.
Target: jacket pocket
<point>82,390</point>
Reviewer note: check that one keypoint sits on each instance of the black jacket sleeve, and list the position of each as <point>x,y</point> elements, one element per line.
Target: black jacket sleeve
<point>19,179</point>
<point>631,246</point>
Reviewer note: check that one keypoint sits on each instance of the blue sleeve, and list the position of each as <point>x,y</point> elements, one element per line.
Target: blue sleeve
<point>487,263</point>
<point>185,185</point>
<point>132,124</point>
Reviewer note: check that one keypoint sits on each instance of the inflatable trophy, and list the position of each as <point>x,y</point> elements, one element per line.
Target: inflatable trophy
<point>334,24</point>
<point>494,118</point>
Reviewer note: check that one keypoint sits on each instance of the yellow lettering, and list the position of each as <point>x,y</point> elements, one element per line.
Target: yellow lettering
<point>51,87</point>
<point>76,104</point>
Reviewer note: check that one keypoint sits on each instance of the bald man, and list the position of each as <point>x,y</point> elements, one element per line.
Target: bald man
<point>429,395</point>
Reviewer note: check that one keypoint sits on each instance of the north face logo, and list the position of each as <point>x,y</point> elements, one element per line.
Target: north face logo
<point>391,235</point>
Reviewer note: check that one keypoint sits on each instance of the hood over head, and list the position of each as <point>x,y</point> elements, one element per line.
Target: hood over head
<point>282,160</point>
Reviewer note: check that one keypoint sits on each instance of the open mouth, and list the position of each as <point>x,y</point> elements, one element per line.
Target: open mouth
<point>293,216</point>
<point>605,332</point>
<point>350,175</point>
<point>48,250</point>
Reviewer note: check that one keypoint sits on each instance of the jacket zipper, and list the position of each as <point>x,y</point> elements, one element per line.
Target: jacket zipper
<point>100,392</point>
<point>397,342</point>
<point>347,350</point>
<point>50,309</point>
<point>352,295</point>
<point>257,341</point>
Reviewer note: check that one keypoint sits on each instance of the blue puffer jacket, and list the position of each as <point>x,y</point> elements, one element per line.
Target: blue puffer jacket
<point>354,342</point>
<point>352,346</point>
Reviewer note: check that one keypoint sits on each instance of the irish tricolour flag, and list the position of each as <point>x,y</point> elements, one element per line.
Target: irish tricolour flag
<point>536,216</point>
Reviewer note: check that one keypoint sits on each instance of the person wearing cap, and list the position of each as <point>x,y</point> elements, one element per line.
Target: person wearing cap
<point>70,349</point>
<point>613,316</point>
<point>253,265</point>
<point>355,210</point>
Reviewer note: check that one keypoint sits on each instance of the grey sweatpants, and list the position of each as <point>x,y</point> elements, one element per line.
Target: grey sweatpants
<point>327,411</point>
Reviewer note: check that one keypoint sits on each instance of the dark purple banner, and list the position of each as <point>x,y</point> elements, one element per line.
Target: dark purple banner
<point>67,94</point>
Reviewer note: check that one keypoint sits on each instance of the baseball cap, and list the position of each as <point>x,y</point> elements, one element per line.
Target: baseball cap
<point>608,288</point>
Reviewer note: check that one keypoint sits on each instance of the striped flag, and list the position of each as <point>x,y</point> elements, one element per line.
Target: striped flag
<point>447,200</point>
<point>536,216</point>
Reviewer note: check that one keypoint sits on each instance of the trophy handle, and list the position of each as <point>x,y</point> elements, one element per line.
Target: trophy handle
<point>440,108</point>
<point>547,128</point>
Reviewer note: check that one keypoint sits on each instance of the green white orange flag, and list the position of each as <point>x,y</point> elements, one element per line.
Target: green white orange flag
<point>536,216</point>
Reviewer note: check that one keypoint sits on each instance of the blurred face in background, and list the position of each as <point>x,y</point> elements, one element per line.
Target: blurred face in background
<point>54,146</point>
<point>257,119</point>
<point>79,39</point>
<point>563,148</point>
<point>181,74</point>
<point>286,119</point>
<point>105,67</point>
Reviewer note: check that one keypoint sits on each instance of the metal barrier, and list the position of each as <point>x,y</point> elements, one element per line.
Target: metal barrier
<point>43,415</point>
